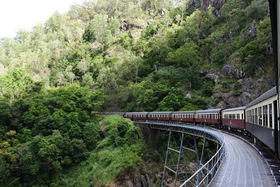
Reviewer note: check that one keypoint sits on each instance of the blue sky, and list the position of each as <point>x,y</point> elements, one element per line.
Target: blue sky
<point>25,14</point>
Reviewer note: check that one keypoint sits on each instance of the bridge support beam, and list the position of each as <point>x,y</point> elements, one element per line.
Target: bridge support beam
<point>176,150</point>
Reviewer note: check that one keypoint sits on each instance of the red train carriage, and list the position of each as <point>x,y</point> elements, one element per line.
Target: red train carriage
<point>211,116</point>
<point>161,116</point>
<point>184,116</point>
<point>234,117</point>
<point>136,115</point>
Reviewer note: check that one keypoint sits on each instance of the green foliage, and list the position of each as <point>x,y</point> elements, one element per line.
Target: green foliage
<point>51,130</point>
<point>174,101</point>
<point>111,158</point>
<point>120,56</point>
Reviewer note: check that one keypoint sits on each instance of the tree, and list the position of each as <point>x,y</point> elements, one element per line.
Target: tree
<point>82,66</point>
<point>15,83</point>
<point>69,74</point>
<point>185,56</point>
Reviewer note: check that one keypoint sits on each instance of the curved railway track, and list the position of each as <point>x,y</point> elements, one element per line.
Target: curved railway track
<point>243,166</point>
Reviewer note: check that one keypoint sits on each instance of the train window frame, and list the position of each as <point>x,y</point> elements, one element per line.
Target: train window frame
<point>264,109</point>
<point>270,115</point>
<point>260,116</point>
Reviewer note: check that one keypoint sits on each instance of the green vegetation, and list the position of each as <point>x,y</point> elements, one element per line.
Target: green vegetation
<point>120,151</point>
<point>147,46</point>
<point>117,56</point>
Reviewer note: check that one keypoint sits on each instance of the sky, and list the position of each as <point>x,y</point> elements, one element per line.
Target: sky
<point>25,14</point>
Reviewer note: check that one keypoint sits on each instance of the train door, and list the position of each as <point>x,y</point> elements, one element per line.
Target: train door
<point>274,6</point>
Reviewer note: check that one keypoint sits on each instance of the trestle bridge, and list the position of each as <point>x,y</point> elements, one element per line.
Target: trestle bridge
<point>235,162</point>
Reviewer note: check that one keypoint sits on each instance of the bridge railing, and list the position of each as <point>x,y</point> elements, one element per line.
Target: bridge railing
<point>204,175</point>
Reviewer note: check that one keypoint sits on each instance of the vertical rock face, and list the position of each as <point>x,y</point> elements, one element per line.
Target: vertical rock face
<point>204,4</point>
<point>232,72</point>
<point>135,178</point>
<point>249,89</point>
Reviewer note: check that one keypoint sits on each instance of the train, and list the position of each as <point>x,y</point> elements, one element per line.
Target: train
<point>258,119</point>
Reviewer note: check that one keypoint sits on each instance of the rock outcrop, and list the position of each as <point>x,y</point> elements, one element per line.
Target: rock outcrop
<point>249,90</point>
<point>204,4</point>
<point>232,72</point>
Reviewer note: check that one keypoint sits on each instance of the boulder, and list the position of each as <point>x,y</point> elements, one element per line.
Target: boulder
<point>229,71</point>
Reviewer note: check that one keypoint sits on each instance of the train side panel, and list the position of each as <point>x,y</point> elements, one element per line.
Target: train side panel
<point>260,118</point>
<point>136,115</point>
<point>234,117</point>
<point>159,116</point>
<point>211,116</point>
<point>183,116</point>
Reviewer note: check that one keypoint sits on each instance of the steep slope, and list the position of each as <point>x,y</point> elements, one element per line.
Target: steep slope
<point>212,53</point>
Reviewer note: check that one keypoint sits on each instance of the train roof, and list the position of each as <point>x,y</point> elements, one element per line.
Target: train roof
<point>270,93</point>
<point>234,109</point>
<point>164,112</point>
<point>136,112</point>
<point>209,111</point>
<point>183,112</point>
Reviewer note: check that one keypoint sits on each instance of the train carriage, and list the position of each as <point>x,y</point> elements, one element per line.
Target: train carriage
<point>161,116</point>
<point>234,117</point>
<point>184,116</point>
<point>136,115</point>
<point>261,118</point>
<point>211,116</point>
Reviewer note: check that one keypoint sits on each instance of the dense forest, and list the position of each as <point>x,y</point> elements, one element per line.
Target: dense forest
<point>121,55</point>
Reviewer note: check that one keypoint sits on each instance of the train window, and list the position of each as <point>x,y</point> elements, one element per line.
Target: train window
<point>256,116</point>
<point>270,116</point>
<point>242,116</point>
<point>238,116</point>
<point>265,115</point>
<point>260,116</point>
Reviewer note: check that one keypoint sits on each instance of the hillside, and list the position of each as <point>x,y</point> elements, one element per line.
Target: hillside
<point>207,53</point>
<point>124,55</point>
